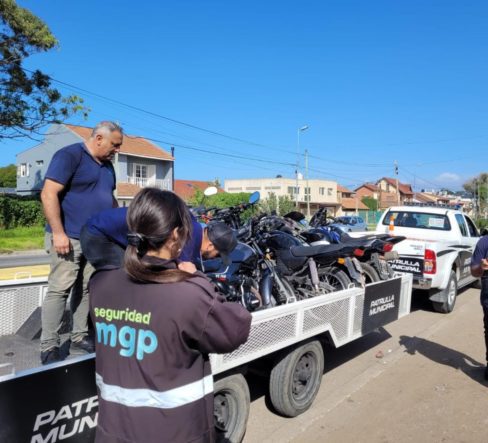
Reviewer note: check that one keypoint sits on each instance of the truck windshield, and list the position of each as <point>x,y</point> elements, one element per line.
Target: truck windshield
<point>420,220</point>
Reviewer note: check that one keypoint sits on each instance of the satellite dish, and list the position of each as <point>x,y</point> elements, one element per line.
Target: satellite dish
<point>211,190</point>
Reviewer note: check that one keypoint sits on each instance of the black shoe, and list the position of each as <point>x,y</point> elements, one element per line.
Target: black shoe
<point>486,373</point>
<point>84,346</point>
<point>50,356</point>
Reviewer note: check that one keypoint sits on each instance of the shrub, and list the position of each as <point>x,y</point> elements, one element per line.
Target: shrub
<point>17,211</point>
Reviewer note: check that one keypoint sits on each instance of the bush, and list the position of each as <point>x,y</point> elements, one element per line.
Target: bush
<point>16,211</point>
<point>482,223</point>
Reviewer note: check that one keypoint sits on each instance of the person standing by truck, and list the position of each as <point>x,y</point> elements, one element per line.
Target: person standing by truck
<point>479,268</point>
<point>155,326</point>
<point>79,182</point>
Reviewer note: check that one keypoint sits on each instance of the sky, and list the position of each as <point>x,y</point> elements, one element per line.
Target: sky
<point>229,84</point>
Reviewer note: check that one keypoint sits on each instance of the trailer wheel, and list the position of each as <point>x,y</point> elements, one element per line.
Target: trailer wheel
<point>231,408</point>
<point>370,273</point>
<point>449,295</point>
<point>295,379</point>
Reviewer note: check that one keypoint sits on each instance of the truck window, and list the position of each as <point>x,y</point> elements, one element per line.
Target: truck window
<point>462,225</point>
<point>473,232</point>
<point>420,220</point>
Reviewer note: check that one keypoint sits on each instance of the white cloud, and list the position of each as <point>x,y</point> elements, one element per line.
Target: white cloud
<point>449,178</point>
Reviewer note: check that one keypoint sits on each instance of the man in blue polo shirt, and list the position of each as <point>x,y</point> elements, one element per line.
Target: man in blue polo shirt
<point>79,182</point>
<point>479,268</point>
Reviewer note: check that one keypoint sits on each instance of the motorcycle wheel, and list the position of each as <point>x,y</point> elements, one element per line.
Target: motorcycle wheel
<point>370,273</point>
<point>335,277</point>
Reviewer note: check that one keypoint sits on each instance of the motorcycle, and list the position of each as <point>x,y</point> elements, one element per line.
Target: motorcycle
<point>251,278</point>
<point>372,250</point>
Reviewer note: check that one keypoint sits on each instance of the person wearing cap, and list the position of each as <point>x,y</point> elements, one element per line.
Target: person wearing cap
<point>104,240</point>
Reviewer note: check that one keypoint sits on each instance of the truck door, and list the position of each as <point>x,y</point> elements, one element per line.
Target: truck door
<point>474,236</point>
<point>466,248</point>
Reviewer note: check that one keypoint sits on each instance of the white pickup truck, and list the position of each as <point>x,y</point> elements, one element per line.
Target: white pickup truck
<point>438,249</point>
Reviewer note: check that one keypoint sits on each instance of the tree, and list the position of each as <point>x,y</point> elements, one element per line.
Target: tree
<point>282,204</point>
<point>27,100</point>
<point>478,187</point>
<point>8,176</point>
<point>370,202</point>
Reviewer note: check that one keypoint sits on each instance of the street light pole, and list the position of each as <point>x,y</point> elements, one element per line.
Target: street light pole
<point>303,128</point>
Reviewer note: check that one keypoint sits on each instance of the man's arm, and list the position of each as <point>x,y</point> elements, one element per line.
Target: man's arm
<point>478,270</point>
<point>52,211</point>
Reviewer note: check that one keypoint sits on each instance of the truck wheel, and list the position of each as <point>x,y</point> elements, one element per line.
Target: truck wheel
<point>370,273</point>
<point>295,379</point>
<point>231,408</point>
<point>449,295</point>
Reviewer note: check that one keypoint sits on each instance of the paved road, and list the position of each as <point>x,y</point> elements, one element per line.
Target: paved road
<point>428,387</point>
<point>28,259</point>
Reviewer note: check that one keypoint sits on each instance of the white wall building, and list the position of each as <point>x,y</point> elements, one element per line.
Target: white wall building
<point>319,192</point>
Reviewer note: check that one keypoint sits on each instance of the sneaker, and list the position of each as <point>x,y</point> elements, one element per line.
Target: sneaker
<point>50,356</point>
<point>84,346</point>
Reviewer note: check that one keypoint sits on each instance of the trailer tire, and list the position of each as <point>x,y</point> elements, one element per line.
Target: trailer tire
<point>450,294</point>
<point>295,379</point>
<point>231,408</point>
<point>370,274</point>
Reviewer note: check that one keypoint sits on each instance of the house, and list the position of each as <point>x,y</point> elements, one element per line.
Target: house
<point>350,202</point>
<point>385,191</point>
<point>427,197</point>
<point>320,193</point>
<point>186,188</point>
<point>139,163</point>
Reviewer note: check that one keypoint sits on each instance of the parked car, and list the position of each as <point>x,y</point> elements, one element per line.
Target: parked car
<point>350,223</point>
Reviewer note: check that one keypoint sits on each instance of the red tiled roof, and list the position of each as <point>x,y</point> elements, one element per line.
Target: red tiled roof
<point>404,188</point>
<point>186,188</point>
<point>370,186</point>
<point>132,145</point>
<point>343,190</point>
<point>127,190</point>
<point>352,203</point>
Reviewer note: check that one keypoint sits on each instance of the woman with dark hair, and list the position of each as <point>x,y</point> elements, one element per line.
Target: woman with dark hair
<point>155,326</point>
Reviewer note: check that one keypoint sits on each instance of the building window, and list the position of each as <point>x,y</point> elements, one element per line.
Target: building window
<point>293,190</point>
<point>272,187</point>
<point>329,191</point>
<point>23,170</point>
<point>253,188</point>
<point>235,189</point>
<point>307,198</point>
<point>39,162</point>
<point>322,191</point>
<point>140,171</point>
<point>307,191</point>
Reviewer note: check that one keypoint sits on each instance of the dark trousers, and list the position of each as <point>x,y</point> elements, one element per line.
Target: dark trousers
<point>485,323</point>
<point>100,251</point>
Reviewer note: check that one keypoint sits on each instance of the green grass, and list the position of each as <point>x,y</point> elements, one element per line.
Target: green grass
<point>21,239</point>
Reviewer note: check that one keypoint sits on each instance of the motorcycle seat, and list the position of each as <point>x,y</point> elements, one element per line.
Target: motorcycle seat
<point>311,251</point>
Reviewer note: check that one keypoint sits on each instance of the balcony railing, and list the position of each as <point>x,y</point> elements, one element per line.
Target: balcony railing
<point>144,182</point>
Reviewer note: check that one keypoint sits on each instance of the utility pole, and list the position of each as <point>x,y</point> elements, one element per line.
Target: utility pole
<point>397,188</point>
<point>307,188</point>
<point>303,128</point>
<point>479,200</point>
